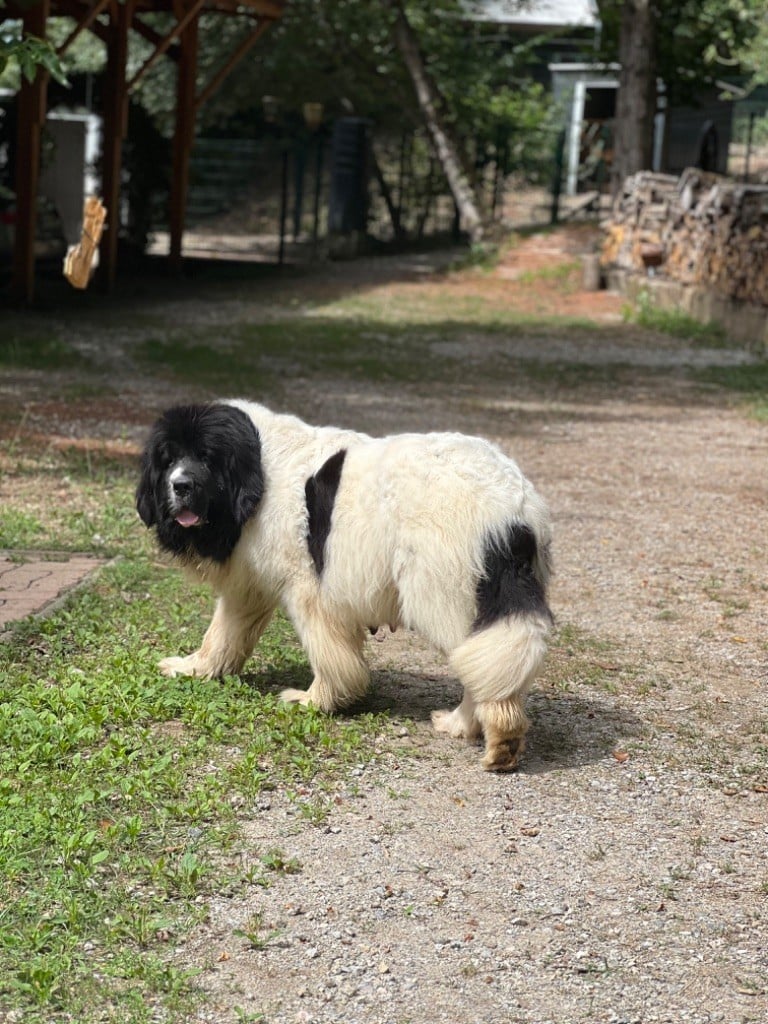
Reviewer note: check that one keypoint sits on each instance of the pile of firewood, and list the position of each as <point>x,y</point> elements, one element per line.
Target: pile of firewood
<point>699,229</point>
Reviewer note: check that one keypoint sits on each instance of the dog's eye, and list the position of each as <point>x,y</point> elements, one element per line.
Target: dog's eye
<point>166,456</point>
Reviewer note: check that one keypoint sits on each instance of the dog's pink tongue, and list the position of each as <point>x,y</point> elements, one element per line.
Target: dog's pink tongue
<point>187,518</point>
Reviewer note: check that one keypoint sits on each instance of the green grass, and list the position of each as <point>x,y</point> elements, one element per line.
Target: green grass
<point>79,501</point>
<point>558,273</point>
<point>364,341</point>
<point>122,790</point>
<point>749,383</point>
<point>482,256</point>
<point>674,322</point>
<point>19,350</point>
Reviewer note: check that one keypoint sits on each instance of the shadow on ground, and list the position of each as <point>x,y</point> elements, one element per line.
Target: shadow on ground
<point>567,730</point>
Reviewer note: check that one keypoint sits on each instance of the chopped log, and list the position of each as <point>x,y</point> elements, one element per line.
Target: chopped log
<point>78,263</point>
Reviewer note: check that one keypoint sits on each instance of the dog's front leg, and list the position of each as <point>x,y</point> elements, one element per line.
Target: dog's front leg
<point>227,644</point>
<point>336,656</point>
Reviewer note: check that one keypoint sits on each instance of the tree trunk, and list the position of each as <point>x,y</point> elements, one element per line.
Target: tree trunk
<point>636,100</point>
<point>431,104</point>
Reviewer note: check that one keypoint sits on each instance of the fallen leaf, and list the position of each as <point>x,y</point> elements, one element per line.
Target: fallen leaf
<point>621,756</point>
<point>224,955</point>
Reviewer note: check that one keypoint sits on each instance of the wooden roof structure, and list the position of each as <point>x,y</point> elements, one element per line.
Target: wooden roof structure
<point>112,21</point>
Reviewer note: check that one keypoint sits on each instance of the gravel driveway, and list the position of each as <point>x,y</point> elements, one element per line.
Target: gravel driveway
<point>622,874</point>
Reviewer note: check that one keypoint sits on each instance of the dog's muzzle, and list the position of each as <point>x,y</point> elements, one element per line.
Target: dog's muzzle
<point>187,499</point>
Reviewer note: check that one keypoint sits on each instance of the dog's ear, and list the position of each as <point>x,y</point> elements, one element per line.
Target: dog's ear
<point>247,498</point>
<point>244,475</point>
<point>145,493</point>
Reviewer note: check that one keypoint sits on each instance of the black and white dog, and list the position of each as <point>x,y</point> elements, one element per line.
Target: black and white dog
<point>440,533</point>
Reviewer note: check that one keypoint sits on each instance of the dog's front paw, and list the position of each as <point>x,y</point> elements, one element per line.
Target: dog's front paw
<point>296,697</point>
<point>173,667</point>
<point>456,725</point>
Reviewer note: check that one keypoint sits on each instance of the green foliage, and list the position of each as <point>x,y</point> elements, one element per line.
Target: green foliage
<point>754,54</point>
<point>27,54</point>
<point>698,41</point>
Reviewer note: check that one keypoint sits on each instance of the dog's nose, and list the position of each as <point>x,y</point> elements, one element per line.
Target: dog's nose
<point>182,485</point>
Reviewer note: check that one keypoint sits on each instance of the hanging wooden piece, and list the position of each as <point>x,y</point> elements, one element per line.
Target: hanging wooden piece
<point>78,262</point>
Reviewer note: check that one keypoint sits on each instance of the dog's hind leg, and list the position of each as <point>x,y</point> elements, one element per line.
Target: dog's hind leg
<point>505,724</point>
<point>497,666</point>
<point>336,656</point>
<point>227,644</point>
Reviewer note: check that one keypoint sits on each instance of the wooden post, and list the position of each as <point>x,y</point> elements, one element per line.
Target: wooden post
<point>31,118</point>
<point>184,137</point>
<point>115,129</point>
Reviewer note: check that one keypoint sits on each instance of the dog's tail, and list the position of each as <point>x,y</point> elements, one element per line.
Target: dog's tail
<point>502,655</point>
<point>501,661</point>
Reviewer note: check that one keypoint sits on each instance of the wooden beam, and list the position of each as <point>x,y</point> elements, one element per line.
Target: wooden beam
<point>89,17</point>
<point>152,37</point>
<point>115,118</point>
<point>184,137</point>
<point>250,40</point>
<point>31,118</point>
<point>166,42</point>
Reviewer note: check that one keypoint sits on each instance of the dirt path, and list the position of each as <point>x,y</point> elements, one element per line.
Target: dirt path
<point>622,874</point>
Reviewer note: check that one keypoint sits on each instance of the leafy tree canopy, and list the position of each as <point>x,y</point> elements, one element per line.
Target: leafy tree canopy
<point>699,42</point>
<point>754,55</point>
<point>340,53</point>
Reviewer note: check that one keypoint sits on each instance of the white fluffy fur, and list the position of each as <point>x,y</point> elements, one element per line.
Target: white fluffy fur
<point>412,517</point>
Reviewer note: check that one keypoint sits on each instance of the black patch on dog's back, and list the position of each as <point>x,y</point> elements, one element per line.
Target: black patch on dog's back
<point>509,584</point>
<point>320,491</point>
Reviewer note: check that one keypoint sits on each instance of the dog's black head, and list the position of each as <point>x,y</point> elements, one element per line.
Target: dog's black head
<point>201,479</point>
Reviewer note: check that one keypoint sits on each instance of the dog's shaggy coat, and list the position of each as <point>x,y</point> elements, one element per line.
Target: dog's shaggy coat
<point>439,533</point>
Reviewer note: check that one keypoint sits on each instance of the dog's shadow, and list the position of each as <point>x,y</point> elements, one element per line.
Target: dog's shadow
<point>568,730</point>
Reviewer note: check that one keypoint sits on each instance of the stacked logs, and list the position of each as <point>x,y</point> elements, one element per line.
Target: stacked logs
<point>699,229</point>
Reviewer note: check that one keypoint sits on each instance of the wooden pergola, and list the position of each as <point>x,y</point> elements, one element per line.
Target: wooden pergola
<point>112,21</point>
